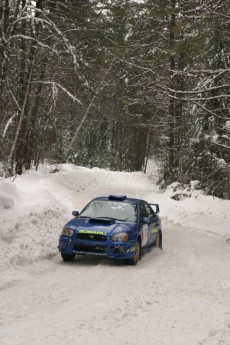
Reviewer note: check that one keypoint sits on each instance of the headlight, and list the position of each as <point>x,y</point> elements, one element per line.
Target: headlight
<point>67,232</point>
<point>120,237</point>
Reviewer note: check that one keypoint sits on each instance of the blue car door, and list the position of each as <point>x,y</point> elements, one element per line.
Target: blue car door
<point>154,222</point>
<point>145,227</point>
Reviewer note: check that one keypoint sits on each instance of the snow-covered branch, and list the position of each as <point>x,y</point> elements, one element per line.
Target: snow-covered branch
<point>51,24</point>
<point>187,92</point>
<point>55,84</point>
<point>30,38</point>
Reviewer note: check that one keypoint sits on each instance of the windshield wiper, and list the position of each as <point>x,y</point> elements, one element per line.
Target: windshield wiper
<point>119,220</point>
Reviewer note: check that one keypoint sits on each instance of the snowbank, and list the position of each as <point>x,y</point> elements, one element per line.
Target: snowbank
<point>194,210</point>
<point>9,195</point>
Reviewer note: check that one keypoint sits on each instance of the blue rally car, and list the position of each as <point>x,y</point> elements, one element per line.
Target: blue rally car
<point>115,227</point>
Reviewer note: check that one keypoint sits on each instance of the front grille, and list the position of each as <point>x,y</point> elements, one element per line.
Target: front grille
<point>90,249</point>
<point>92,237</point>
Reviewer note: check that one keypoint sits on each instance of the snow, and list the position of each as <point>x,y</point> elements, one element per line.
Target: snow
<point>9,195</point>
<point>172,297</point>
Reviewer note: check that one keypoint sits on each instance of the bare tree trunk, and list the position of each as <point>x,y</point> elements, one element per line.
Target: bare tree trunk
<point>28,57</point>
<point>172,105</point>
<point>4,56</point>
<point>32,135</point>
<point>20,124</point>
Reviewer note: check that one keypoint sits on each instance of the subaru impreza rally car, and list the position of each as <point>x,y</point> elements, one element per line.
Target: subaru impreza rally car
<point>116,227</point>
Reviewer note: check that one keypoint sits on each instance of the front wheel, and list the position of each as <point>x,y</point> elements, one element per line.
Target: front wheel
<point>137,254</point>
<point>67,257</point>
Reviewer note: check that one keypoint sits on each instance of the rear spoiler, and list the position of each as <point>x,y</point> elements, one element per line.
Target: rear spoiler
<point>157,207</point>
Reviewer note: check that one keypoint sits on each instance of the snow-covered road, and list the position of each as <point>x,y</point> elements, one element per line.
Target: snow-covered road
<point>178,296</point>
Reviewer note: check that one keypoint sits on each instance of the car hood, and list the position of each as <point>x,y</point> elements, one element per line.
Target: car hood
<point>109,226</point>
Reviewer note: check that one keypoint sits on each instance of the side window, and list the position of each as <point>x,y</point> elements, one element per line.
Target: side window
<point>143,211</point>
<point>149,210</point>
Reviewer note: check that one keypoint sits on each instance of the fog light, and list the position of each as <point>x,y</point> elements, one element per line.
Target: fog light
<point>119,250</point>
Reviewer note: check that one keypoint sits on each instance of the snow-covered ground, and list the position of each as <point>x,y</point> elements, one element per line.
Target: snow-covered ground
<point>180,295</point>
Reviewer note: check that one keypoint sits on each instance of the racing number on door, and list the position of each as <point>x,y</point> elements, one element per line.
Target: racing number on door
<point>145,234</point>
<point>145,227</point>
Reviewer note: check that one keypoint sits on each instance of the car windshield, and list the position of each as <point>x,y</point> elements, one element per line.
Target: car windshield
<point>117,210</point>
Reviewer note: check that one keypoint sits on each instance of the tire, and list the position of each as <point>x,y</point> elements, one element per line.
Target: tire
<point>158,240</point>
<point>137,254</point>
<point>67,257</point>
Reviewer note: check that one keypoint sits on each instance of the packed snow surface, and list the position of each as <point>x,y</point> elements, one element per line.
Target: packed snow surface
<point>177,296</point>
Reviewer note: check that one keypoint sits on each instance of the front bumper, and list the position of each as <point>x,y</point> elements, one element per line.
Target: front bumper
<point>108,248</point>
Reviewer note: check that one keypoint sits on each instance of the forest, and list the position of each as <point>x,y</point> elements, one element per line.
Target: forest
<point>111,83</point>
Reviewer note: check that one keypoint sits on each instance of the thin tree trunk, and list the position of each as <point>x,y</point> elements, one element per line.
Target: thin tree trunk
<point>19,127</point>
<point>32,139</point>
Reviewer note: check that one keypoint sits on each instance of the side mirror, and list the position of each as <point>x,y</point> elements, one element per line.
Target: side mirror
<point>145,220</point>
<point>157,208</point>
<point>75,213</point>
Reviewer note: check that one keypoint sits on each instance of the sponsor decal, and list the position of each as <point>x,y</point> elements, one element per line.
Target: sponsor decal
<point>92,232</point>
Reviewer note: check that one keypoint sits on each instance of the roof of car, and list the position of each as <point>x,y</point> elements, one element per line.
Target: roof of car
<point>122,198</point>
